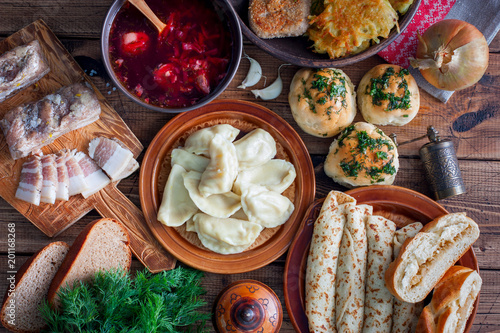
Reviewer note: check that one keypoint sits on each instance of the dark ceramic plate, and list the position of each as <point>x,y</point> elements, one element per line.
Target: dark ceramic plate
<point>401,205</point>
<point>297,50</point>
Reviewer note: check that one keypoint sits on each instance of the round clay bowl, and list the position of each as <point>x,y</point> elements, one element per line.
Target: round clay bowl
<point>298,51</point>
<point>401,205</point>
<point>245,116</point>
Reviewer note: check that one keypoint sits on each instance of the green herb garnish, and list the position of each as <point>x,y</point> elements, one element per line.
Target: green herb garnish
<point>114,302</point>
<point>322,100</point>
<point>381,155</point>
<point>307,95</point>
<point>329,86</point>
<point>320,83</point>
<point>365,141</point>
<point>377,85</point>
<point>345,133</point>
<point>389,168</point>
<point>360,156</point>
<point>351,168</point>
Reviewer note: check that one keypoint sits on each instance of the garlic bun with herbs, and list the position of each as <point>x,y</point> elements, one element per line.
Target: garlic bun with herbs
<point>388,95</point>
<point>362,155</point>
<point>323,101</point>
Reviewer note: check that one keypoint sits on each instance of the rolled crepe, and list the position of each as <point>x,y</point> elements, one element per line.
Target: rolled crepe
<point>378,300</point>
<point>405,317</point>
<point>403,234</point>
<point>350,284</point>
<point>322,262</point>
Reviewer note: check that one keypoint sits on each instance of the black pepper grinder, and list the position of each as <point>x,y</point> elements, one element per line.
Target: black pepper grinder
<point>441,165</point>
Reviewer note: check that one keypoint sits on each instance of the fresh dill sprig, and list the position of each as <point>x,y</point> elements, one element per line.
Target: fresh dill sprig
<point>114,302</point>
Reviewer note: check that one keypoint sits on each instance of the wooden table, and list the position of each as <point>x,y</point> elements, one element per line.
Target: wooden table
<point>471,119</point>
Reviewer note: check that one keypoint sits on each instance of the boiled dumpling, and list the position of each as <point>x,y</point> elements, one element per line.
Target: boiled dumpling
<point>255,148</point>
<point>219,205</point>
<point>190,225</point>
<point>267,208</point>
<point>176,205</point>
<point>189,161</point>
<point>225,236</point>
<point>199,142</point>
<point>276,175</point>
<point>222,170</point>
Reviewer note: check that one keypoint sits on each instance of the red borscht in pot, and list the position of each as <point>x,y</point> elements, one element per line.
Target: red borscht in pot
<point>180,65</point>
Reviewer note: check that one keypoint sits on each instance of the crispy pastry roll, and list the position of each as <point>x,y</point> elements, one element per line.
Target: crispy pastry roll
<point>378,300</point>
<point>322,262</point>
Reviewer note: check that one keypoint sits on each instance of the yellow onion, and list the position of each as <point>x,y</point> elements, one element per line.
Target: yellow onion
<point>451,55</point>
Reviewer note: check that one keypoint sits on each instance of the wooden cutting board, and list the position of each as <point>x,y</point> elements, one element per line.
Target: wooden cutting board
<point>109,202</point>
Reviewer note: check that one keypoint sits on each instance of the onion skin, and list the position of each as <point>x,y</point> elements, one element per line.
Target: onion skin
<point>452,55</point>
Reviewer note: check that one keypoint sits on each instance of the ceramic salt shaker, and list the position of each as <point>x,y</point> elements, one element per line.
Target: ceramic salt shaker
<point>247,306</point>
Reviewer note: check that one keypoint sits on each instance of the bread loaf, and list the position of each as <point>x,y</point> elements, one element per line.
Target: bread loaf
<point>425,258</point>
<point>452,302</point>
<point>102,245</point>
<point>20,310</point>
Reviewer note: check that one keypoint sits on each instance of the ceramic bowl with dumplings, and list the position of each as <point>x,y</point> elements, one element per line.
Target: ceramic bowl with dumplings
<point>184,243</point>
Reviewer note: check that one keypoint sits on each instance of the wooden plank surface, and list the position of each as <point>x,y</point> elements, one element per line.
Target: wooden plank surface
<point>471,119</point>
<point>53,219</point>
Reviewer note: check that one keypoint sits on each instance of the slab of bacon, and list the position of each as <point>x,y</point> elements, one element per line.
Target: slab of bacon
<point>62,192</point>
<point>66,173</point>
<point>77,183</point>
<point>130,169</point>
<point>95,178</point>
<point>49,175</point>
<point>113,157</point>
<point>31,126</point>
<point>31,182</point>
<point>21,67</point>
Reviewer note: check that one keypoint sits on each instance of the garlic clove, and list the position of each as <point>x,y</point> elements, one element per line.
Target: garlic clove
<point>273,90</point>
<point>254,73</point>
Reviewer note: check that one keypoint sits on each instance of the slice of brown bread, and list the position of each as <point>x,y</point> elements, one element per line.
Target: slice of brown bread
<point>21,307</point>
<point>102,245</point>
